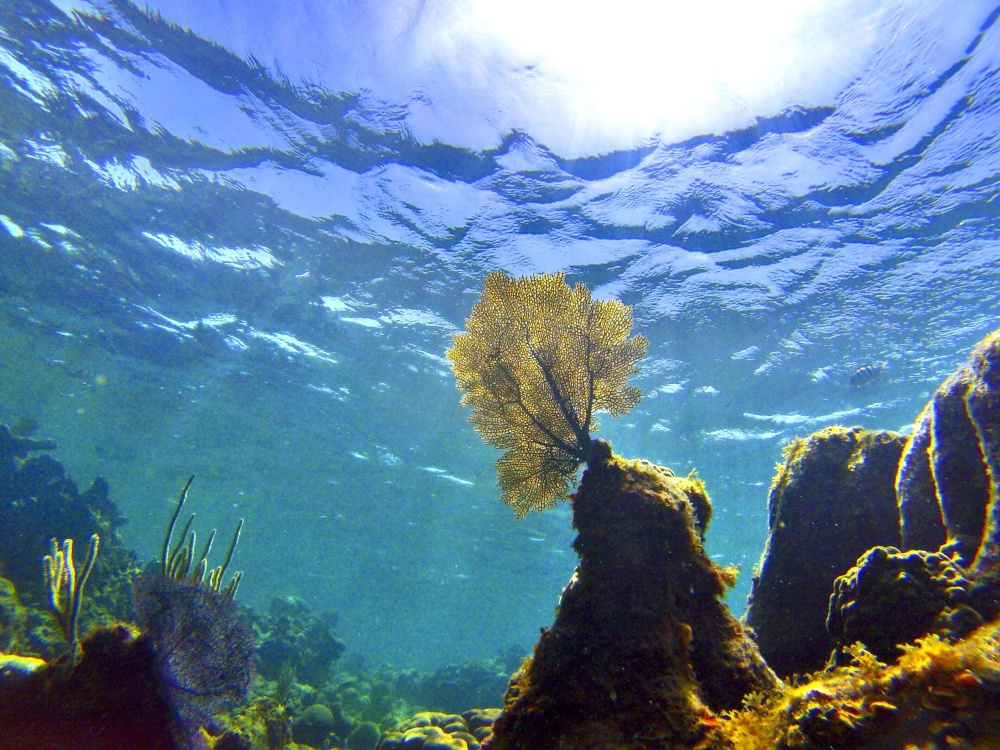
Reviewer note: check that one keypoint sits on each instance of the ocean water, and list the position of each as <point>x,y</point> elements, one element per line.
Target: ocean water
<point>210,266</point>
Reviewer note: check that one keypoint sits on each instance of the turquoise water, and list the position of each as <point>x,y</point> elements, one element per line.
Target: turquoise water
<point>208,266</point>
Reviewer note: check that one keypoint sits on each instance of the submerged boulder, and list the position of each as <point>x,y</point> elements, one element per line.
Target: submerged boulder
<point>947,580</point>
<point>642,651</point>
<point>832,500</point>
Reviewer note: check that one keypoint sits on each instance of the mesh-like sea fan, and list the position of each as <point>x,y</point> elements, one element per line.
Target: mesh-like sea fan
<point>204,651</point>
<point>536,362</point>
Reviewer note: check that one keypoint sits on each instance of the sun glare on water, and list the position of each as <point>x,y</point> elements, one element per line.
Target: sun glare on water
<point>636,67</point>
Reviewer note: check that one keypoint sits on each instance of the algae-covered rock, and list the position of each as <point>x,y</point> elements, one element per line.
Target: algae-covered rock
<point>937,695</point>
<point>642,649</point>
<point>832,500</point>
<point>948,480</point>
<point>948,581</point>
<point>314,726</point>
<point>890,598</point>
<point>262,724</point>
<point>113,698</point>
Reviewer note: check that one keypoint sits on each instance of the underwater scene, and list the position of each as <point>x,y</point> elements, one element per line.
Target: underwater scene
<point>481,375</point>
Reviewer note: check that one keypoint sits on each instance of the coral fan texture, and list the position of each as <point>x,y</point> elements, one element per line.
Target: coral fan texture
<point>538,359</point>
<point>205,653</point>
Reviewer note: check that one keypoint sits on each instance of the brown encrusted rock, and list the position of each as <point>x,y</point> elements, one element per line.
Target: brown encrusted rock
<point>113,698</point>
<point>949,581</point>
<point>947,481</point>
<point>937,695</point>
<point>943,485</point>
<point>642,649</point>
<point>832,499</point>
<point>890,598</point>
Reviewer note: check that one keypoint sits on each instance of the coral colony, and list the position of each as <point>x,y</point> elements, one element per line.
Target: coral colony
<point>872,622</point>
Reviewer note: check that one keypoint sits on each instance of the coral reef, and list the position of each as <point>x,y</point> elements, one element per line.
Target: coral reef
<point>112,699</point>
<point>892,597</point>
<point>949,511</point>
<point>27,631</point>
<point>536,362</point>
<point>642,650</point>
<point>38,502</point>
<point>292,636</point>
<point>151,690</point>
<point>832,499</point>
<point>314,726</point>
<point>365,736</point>
<point>261,724</point>
<point>937,695</point>
<point>456,687</point>
<point>441,731</point>
<point>947,479</point>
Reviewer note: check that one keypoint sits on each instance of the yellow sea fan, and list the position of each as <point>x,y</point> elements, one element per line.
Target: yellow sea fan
<point>536,362</point>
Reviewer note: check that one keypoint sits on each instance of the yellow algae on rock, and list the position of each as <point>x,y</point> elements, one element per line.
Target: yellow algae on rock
<point>937,695</point>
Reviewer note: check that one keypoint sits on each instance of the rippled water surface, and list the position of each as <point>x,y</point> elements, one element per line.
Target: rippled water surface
<point>208,267</point>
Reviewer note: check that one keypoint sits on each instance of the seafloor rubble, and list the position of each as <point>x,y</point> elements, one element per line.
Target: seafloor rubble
<point>642,653</point>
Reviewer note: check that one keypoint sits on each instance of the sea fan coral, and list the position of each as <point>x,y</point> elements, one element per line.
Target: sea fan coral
<point>536,362</point>
<point>204,651</point>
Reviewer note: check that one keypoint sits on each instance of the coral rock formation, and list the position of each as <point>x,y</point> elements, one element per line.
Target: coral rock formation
<point>949,509</point>
<point>642,650</point>
<point>831,501</point>
<point>113,699</point>
<point>892,597</point>
<point>949,478</point>
<point>431,730</point>
<point>938,695</point>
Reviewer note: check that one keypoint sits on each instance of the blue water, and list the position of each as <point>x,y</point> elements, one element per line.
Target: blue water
<point>210,267</point>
